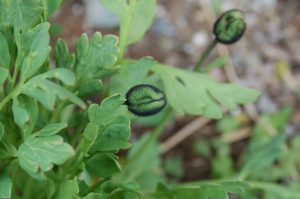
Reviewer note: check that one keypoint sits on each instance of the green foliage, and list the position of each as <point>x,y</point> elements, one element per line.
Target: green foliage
<point>52,6</point>
<point>174,167</point>
<point>203,191</point>
<point>25,112</point>
<point>132,73</point>
<point>148,175</point>
<point>261,157</point>
<point>68,190</point>
<point>5,56</point>
<point>34,50</point>
<point>1,131</point>
<point>3,75</point>
<point>94,56</point>
<point>104,165</point>
<point>5,185</point>
<point>217,63</point>
<point>57,144</point>
<point>228,124</point>
<point>222,164</point>
<point>200,88</point>
<point>135,17</point>
<point>46,92</point>
<point>114,129</point>
<point>43,149</point>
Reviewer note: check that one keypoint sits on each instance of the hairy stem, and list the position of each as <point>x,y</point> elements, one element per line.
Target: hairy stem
<point>199,65</point>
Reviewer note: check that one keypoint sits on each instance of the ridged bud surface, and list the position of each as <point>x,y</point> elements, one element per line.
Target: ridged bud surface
<point>229,27</point>
<point>145,100</point>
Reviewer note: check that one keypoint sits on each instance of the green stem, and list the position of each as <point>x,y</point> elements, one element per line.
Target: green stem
<point>14,78</point>
<point>199,65</point>
<point>152,137</point>
<point>8,97</point>
<point>1,92</point>
<point>27,194</point>
<point>56,114</point>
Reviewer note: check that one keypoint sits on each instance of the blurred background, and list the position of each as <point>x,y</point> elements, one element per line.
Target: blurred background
<point>266,58</point>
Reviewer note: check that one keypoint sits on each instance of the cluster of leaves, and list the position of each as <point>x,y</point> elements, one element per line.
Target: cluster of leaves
<point>51,139</point>
<point>269,158</point>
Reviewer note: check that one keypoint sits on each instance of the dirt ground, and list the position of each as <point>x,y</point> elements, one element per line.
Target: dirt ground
<point>266,58</point>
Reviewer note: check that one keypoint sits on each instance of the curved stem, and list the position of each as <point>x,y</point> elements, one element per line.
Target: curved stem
<point>6,99</point>
<point>154,134</point>
<point>199,65</point>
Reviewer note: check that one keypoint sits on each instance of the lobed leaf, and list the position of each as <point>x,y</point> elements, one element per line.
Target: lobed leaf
<point>7,13</point>
<point>141,20</point>
<point>114,137</point>
<point>40,151</point>
<point>117,7</point>
<point>135,18</point>
<point>104,165</point>
<point>27,14</point>
<point>131,74</point>
<point>105,114</point>
<point>64,75</point>
<point>38,52</point>
<point>62,56</point>
<point>114,128</point>
<point>198,94</point>
<point>25,112</point>
<point>90,87</point>
<point>94,56</point>
<point>46,91</point>
<point>51,129</point>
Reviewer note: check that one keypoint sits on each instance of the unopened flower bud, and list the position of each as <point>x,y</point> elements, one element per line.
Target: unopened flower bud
<point>145,100</point>
<point>229,27</point>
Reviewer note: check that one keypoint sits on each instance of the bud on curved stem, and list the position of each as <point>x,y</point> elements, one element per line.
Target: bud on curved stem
<point>229,27</point>
<point>145,100</point>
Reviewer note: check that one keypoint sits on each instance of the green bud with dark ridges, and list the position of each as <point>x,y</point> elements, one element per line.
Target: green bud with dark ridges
<point>229,27</point>
<point>145,100</point>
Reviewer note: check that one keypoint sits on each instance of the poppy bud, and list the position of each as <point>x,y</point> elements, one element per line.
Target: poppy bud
<point>145,100</point>
<point>229,27</point>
